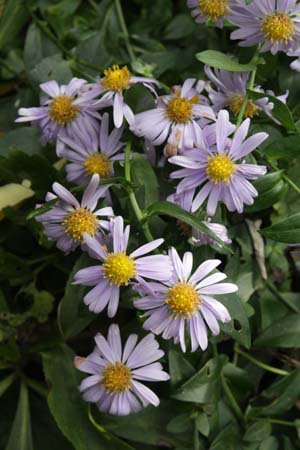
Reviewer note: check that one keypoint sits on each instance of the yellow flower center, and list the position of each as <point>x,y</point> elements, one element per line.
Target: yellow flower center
<point>119,269</point>
<point>116,79</point>
<point>61,110</point>
<point>116,378</point>
<point>183,300</point>
<point>179,109</point>
<point>78,222</point>
<point>98,163</point>
<point>214,8</point>
<point>278,28</point>
<point>220,169</point>
<point>235,104</point>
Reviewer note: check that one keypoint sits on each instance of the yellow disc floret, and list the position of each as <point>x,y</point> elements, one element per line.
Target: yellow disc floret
<point>235,104</point>
<point>183,300</point>
<point>119,268</point>
<point>116,79</point>
<point>116,378</point>
<point>61,110</point>
<point>78,222</point>
<point>98,163</point>
<point>180,109</point>
<point>214,9</point>
<point>220,169</point>
<point>278,28</point>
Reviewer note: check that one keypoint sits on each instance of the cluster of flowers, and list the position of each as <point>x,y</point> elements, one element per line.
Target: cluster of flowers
<point>274,25</point>
<point>194,125</point>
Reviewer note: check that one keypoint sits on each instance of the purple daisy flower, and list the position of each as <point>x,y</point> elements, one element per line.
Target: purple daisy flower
<point>175,118</point>
<point>272,23</point>
<point>65,111</point>
<point>295,65</point>
<point>214,10</point>
<point>115,377</point>
<point>119,269</point>
<point>198,238</point>
<point>181,303</point>
<point>68,220</point>
<point>216,170</point>
<point>93,152</point>
<point>115,81</point>
<point>231,92</point>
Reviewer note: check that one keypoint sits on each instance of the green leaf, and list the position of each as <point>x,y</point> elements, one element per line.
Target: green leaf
<point>37,47</point>
<point>51,68</point>
<point>172,210</point>
<point>270,189</point>
<point>287,230</point>
<point>239,327</point>
<point>283,395</point>
<point>180,26</point>
<point>20,436</point>
<point>202,424</point>
<point>15,15</point>
<point>284,148</point>
<point>228,439</point>
<point>180,424</point>
<point>145,178</point>
<point>270,443</point>
<point>220,60</point>
<point>258,431</point>
<point>73,315</point>
<point>25,139</point>
<point>281,111</point>
<point>6,383</point>
<point>204,386</point>
<point>179,367</point>
<point>285,333</point>
<point>67,406</point>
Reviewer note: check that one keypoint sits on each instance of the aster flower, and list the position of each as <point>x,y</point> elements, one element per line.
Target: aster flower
<point>272,23</point>
<point>215,169</point>
<point>231,92</point>
<point>175,118</point>
<point>119,269</point>
<point>113,84</point>
<point>65,110</point>
<point>198,238</point>
<point>184,303</point>
<point>93,152</point>
<point>295,65</point>
<point>115,374</point>
<point>68,220</point>
<point>214,10</point>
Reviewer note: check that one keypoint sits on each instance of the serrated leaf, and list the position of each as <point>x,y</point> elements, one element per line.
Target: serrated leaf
<point>220,60</point>
<point>287,230</point>
<point>258,431</point>
<point>179,367</point>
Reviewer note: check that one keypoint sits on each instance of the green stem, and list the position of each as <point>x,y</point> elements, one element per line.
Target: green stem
<point>92,420</point>
<point>262,365</point>
<point>284,423</point>
<point>280,297</point>
<point>132,198</point>
<point>124,30</point>
<point>234,404</point>
<point>246,99</point>
<point>196,436</point>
